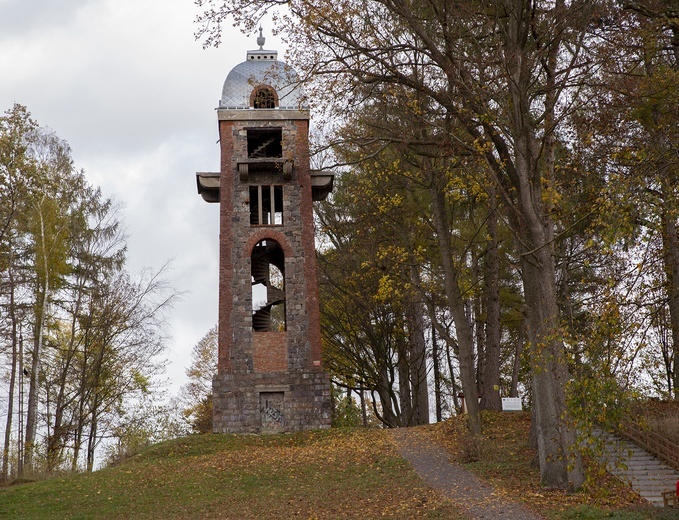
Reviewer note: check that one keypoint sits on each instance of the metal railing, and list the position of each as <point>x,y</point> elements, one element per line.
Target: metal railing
<point>652,442</point>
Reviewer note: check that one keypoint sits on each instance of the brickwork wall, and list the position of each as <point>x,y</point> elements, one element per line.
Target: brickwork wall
<point>309,246</point>
<point>270,351</point>
<point>226,273</point>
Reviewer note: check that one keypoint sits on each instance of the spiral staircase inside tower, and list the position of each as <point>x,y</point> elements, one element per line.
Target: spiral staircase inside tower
<point>268,270</point>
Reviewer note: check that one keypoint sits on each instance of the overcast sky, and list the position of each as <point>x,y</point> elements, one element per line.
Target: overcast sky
<point>133,93</point>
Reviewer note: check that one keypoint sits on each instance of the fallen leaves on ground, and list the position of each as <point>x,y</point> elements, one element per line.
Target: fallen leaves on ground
<point>506,461</point>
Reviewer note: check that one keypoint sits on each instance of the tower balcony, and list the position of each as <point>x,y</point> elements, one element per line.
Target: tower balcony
<point>251,166</point>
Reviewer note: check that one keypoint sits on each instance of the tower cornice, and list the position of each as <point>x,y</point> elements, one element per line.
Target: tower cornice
<point>261,114</point>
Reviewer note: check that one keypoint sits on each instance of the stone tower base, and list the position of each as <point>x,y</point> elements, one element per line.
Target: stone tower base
<point>271,403</point>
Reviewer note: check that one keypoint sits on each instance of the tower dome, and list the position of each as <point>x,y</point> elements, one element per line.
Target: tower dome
<point>261,70</point>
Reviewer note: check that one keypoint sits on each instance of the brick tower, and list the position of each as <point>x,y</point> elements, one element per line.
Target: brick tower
<point>269,374</point>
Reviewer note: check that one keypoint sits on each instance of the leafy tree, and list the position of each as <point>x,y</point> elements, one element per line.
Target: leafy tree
<point>399,187</point>
<point>97,248</point>
<point>373,326</point>
<point>90,332</point>
<point>17,173</point>
<point>196,395</point>
<point>627,137</point>
<point>201,415</point>
<point>652,96</point>
<point>47,225</point>
<point>124,327</point>
<point>346,411</point>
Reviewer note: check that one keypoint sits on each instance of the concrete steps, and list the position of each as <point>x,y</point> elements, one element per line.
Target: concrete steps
<point>646,474</point>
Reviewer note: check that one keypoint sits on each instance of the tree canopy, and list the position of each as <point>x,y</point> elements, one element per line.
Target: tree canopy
<point>538,150</point>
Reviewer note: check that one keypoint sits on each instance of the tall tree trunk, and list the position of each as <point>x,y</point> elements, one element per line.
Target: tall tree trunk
<point>516,366</point>
<point>385,394</point>
<point>670,241</point>
<point>97,401</point>
<point>418,354</point>
<point>32,406</point>
<point>10,409</point>
<point>55,446</point>
<point>479,329</point>
<point>56,441</point>
<point>79,427</point>
<point>13,373</point>
<point>668,173</point>
<point>364,411</point>
<point>491,374</point>
<point>404,395</point>
<point>436,361</point>
<point>39,330</point>
<point>455,301</point>
<point>84,388</point>
<point>560,466</point>
<point>533,168</point>
<point>92,438</point>
<point>457,403</point>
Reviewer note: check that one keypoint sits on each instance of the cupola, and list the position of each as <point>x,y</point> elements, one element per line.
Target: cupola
<point>261,81</point>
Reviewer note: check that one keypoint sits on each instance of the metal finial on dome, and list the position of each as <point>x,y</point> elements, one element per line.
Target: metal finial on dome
<point>260,40</point>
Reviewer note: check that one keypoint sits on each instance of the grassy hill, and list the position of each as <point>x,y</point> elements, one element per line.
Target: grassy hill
<point>325,474</point>
<point>331,474</point>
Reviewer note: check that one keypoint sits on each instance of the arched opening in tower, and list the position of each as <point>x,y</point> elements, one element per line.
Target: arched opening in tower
<point>264,96</point>
<point>268,287</point>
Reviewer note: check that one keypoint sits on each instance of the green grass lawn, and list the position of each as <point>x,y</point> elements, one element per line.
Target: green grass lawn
<point>330,474</point>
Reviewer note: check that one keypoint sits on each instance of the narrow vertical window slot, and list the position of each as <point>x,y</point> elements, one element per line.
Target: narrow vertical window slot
<point>272,200</point>
<point>260,205</point>
<point>277,205</point>
<point>266,205</point>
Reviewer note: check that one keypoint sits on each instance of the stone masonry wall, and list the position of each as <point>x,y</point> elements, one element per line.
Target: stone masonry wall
<point>306,404</point>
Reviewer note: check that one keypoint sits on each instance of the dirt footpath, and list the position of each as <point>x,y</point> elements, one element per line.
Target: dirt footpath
<point>473,496</point>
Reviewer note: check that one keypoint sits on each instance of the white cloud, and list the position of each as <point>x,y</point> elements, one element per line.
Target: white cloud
<point>124,82</point>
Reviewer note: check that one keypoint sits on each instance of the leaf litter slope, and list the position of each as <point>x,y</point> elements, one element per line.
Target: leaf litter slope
<point>474,496</point>
<point>504,459</point>
<point>330,474</point>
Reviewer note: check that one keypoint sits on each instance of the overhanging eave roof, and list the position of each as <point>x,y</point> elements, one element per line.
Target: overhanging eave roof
<point>208,185</point>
